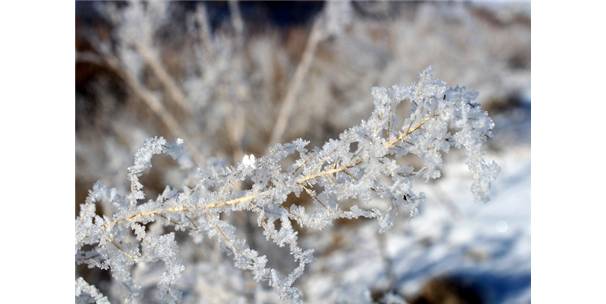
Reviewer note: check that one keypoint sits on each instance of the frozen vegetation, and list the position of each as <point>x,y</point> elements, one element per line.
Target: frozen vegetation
<point>364,165</point>
<point>273,168</point>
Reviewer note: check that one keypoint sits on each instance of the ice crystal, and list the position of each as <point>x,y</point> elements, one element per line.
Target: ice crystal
<point>249,161</point>
<point>86,293</point>
<point>364,173</point>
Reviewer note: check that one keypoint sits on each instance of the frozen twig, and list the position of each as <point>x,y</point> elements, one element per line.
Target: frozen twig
<point>342,177</point>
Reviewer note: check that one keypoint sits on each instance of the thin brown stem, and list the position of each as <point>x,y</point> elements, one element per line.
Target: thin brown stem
<point>167,81</point>
<point>155,106</point>
<point>296,83</point>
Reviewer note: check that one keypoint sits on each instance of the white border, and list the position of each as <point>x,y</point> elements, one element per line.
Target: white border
<point>37,159</point>
<point>568,155</point>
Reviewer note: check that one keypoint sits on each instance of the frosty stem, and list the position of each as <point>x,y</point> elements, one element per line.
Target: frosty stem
<point>249,197</point>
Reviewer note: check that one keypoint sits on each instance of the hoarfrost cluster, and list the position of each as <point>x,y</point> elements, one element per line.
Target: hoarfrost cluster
<point>369,171</point>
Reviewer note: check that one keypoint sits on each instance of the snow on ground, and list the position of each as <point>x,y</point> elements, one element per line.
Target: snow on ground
<point>485,244</point>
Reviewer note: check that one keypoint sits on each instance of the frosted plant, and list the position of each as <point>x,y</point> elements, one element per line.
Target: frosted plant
<point>86,293</point>
<point>346,178</point>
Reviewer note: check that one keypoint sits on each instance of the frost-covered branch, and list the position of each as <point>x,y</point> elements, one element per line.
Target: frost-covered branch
<point>364,173</point>
<point>86,293</point>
